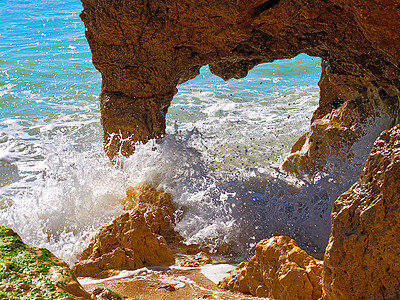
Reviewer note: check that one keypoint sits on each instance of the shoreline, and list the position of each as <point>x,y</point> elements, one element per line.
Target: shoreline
<point>170,283</point>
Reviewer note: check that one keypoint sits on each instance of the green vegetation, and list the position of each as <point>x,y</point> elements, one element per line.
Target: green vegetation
<point>25,271</point>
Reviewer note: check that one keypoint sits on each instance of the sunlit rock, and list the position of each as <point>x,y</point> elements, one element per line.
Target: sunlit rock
<point>159,213</point>
<point>197,260</point>
<point>145,49</point>
<point>279,270</point>
<point>157,209</point>
<point>105,294</point>
<point>362,257</point>
<point>125,244</point>
<point>350,116</point>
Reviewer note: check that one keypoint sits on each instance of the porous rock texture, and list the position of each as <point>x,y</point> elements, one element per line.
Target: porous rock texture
<point>362,257</point>
<point>127,243</point>
<point>143,235</point>
<point>144,49</point>
<point>157,209</point>
<point>200,259</point>
<point>279,270</point>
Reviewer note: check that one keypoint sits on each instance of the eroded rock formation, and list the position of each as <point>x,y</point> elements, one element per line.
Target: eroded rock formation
<point>138,238</point>
<point>197,260</point>
<point>144,49</point>
<point>125,244</point>
<point>349,118</point>
<point>279,270</point>
<point>157,209</point>
<point>362,257</point>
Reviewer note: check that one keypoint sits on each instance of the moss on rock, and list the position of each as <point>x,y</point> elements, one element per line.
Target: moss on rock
<point>34,273</point>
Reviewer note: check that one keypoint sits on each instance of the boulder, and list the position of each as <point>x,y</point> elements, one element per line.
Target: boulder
<point>279,270</point>
<point>127,243</point>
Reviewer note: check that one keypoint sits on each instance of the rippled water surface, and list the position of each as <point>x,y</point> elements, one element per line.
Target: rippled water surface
<point>224,141</point>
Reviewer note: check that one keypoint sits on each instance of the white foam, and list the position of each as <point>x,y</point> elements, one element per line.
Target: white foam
<point>121,275</point>
<point>77,190</point>
<point>373,128</point>
<point>215,161</point>
<point>61,194</point>
<point>216,272</point>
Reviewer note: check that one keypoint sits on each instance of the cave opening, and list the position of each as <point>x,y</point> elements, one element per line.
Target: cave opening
<point>250,122</point>
<point>142,62</point>
<point>243,129</point>
<point>140,76</point>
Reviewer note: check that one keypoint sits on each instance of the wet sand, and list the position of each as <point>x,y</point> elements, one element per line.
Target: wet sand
<point>165,284</point>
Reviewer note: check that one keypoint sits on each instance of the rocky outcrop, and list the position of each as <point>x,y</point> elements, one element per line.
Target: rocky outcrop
<point>145,49</point>
<point>362,257</point>
<point>157,209</point>
<point>279,270</point>
<point>125,244</point>
<point>135,239</point>
<point>139,237</point>
<point>34,273</point>
<point>349,118</point>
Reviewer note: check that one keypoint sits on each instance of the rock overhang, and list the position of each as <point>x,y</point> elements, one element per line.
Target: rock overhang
<point>145,49</point>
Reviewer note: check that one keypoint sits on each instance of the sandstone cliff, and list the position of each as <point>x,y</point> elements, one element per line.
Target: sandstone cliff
<point>144,49</point>
<point>362,257</point>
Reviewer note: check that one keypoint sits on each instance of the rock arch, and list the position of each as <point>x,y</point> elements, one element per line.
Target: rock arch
<point>144,49</point>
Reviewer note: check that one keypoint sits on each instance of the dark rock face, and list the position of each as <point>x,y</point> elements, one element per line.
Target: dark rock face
<point>144,49</point>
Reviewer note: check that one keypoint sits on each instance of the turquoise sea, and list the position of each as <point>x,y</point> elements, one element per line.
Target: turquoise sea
<point>219,160</point>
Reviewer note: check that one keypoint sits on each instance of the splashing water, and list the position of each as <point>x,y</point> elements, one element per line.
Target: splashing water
<point>218,160</point>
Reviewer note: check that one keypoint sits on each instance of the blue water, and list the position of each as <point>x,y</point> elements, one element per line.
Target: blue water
<point>224,140</point>
<point>45,60</point>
